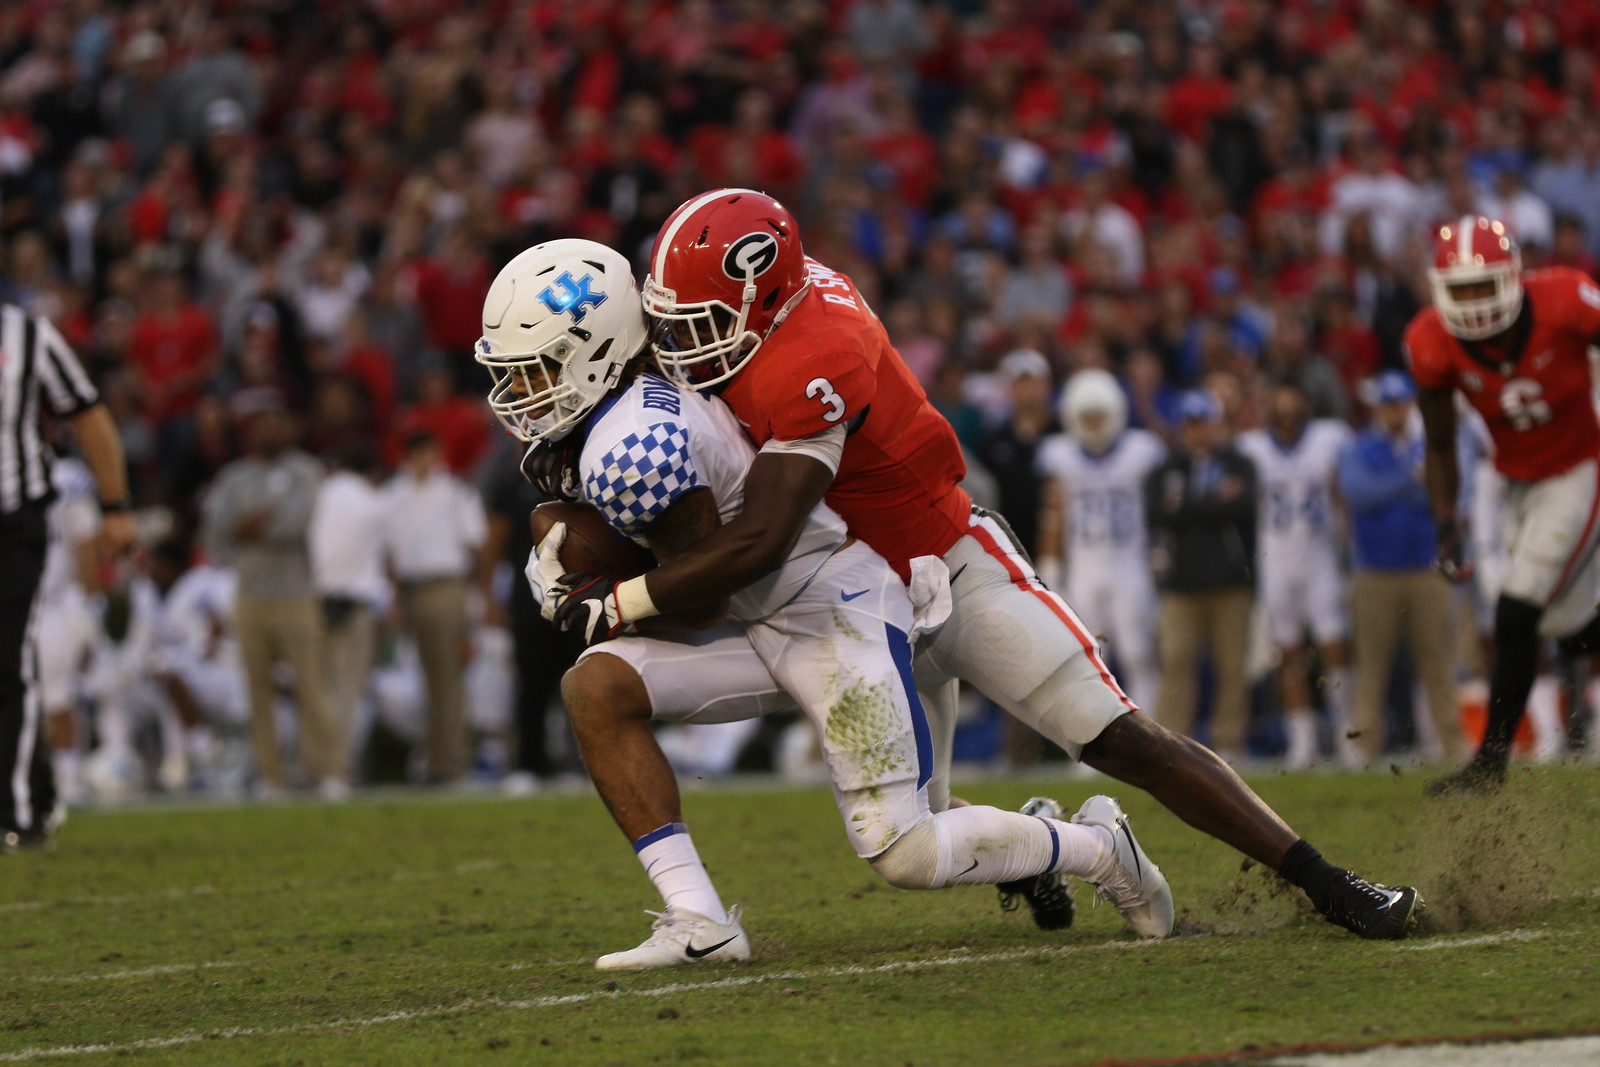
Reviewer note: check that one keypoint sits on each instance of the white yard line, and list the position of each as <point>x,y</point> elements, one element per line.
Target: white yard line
<point>1474,942</point>
<point>955,959</point>
<point>142,972</point>
<point>1535,1052</point>
<point>496,1003</point>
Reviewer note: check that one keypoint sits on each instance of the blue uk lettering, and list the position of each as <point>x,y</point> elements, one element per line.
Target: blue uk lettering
<point>573,296</point>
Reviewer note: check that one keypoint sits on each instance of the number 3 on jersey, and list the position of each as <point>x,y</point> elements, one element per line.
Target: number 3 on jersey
<point>822,389</point>
<point>1522,399</point>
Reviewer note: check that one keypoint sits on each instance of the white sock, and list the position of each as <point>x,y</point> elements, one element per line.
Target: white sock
<point>674,866</point>
<point>1544,712</point>
<point>981,845</point>
<point>68,765</point>
<point>1301,727</point>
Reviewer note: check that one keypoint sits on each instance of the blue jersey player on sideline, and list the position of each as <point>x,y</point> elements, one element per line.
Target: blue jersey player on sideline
<point>829,630</point>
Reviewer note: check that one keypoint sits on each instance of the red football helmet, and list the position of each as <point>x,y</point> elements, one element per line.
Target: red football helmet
<point>1476,277</point>
<point>727,267</point>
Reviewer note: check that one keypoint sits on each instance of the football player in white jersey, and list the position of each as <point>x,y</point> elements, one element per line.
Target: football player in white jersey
<point>828,630</point>
<point>1302,583</point>
<point>1093,544</point>
<point>68,619</point>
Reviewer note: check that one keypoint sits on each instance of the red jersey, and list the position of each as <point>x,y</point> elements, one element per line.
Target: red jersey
<point>831,362</point>
<point>1538,402</point>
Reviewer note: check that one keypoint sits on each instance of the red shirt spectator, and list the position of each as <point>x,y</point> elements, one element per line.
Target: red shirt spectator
<point>174,350</point>
<point>1200,95</point>
<point>450,291</point>
<point>459,424</point>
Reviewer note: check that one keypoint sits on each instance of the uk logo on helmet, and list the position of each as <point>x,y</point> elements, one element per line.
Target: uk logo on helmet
<point>750,256</point>
<point>574,296</point>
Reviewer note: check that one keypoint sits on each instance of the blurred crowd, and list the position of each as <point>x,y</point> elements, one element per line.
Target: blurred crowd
<point>268,225</point>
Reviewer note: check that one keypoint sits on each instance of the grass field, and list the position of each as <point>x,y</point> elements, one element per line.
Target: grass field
<point>451,930</point>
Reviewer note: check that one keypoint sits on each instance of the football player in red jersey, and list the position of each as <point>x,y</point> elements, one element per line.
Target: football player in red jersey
<point>1516,347</point>
<point>810,372</point>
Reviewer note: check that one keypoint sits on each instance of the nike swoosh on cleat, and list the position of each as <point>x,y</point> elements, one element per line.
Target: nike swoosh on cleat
<point>851,596</point>
<point>958,572</point>
<point>697,953</point>
<point>1123,824</point>
<point>972,868</point>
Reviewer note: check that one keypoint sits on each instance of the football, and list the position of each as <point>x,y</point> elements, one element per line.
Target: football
<point>592,546</point>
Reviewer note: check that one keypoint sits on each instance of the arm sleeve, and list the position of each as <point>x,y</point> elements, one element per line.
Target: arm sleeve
<point>641,476</point>
<point>827,447</point>
<point>823,393</point>
<point>67,388</point>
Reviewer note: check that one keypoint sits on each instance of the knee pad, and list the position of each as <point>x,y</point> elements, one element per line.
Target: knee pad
<point>912,861</point>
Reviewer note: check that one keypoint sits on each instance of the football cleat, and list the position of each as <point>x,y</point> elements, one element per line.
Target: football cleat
<point>1375,912</point>
<point>1131,884</point>
<point>678,937</point>
<point>1048,895</point>
<point>1479,776</point>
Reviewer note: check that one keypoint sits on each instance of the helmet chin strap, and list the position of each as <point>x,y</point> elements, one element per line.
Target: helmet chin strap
<point>788,306</point>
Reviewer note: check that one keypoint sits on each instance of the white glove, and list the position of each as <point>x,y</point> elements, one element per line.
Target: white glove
<point>930,595</point>
<point>544,572</point>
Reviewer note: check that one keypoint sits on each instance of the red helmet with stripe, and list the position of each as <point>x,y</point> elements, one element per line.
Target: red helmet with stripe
<point>726,268</point>
<point>1476,277</point>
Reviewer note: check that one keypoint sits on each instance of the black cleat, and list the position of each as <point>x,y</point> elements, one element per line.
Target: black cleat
<point>1375,912</point>
<point>1049,895</point>
<point>1480,776</point>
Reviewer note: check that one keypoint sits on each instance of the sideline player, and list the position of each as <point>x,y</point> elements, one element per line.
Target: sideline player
<point>805,365</point>
<point>68,623</point>
<point>1092,535</point>
<point>1516,347</point>
<point>827,629</point>
<point>1302,586</point>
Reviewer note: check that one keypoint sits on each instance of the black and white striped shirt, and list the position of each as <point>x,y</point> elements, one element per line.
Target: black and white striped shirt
<point>34,359</point>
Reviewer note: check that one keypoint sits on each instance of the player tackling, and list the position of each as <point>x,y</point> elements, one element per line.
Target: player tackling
<point>1515,346</point>
<point>827,628</point>
<point>808,369</point>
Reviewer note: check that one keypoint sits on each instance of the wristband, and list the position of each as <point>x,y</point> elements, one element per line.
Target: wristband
<point>633,600</point>
<point>117,507</point>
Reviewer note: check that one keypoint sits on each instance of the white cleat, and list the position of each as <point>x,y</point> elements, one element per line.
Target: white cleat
<point>682,937</point>
<point>1132,884</point>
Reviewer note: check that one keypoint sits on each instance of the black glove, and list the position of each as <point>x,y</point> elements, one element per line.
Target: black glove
<point>1450,559</point>
<point>552,467</point>
<point>588,608</point>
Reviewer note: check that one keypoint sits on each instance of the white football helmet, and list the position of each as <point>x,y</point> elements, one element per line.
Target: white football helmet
<point>560,322</point>
<point>1090,392</point>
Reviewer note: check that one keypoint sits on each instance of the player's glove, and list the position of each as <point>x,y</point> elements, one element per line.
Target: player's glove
<point>552,467</point>
<point>589,608</point>
<point>1450,559</point>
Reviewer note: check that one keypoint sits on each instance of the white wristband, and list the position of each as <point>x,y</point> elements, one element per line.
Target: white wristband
<point>633,600</point>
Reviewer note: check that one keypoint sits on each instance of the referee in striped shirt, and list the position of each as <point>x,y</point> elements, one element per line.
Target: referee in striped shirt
<point>37,366</point>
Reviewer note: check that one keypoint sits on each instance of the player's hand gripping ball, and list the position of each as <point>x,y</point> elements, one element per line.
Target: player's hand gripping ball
<point>576,568</point>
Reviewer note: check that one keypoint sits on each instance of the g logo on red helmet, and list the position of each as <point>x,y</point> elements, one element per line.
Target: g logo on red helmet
<point>750,256</point>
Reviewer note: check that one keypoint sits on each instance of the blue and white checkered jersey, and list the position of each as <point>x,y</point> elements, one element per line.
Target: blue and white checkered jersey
<point>652,443</point>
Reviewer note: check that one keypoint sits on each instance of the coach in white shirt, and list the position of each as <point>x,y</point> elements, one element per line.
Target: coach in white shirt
<point>434,529</point>
<point>347,549</point>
